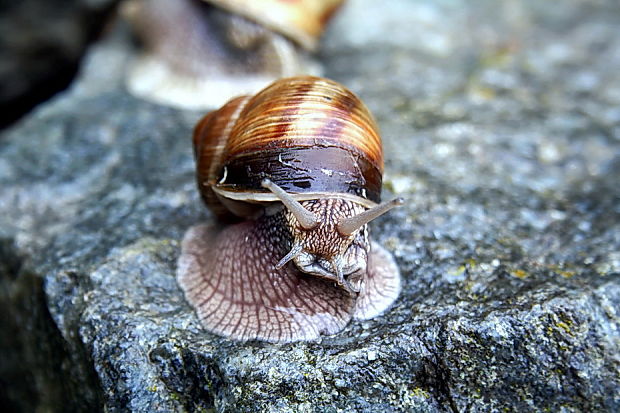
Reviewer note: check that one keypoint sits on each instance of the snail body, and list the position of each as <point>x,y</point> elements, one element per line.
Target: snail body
<point>200,53</point>
<point>296,170</point>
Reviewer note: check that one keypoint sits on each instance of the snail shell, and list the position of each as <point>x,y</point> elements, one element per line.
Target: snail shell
<point>303,21</point>
<point>298,167</point>
<point>198,54</point>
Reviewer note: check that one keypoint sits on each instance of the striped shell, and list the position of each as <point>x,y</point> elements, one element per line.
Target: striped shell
<point>301,20</point>
<point>310,136</point>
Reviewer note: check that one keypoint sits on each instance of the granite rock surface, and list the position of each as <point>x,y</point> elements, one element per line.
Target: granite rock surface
<point>501,125</point>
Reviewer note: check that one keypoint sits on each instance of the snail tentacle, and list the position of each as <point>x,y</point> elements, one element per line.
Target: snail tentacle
<point>349,225</point>
<point>295,251</point>
<point>305,218</point>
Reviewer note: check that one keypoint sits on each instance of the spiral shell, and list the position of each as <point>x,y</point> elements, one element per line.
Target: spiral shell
<point>310,136</point>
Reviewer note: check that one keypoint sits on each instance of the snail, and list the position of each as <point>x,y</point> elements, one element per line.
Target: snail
<point>295,171</point>
<point>200,53</point>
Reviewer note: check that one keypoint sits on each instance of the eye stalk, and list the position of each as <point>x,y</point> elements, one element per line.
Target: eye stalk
<point>305,218</point>
<point>349,225</point>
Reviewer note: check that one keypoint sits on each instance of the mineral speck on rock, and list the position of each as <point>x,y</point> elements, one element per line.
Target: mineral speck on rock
<point>501,130</point>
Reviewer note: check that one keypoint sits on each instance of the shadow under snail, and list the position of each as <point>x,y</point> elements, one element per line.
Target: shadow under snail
<point>295,171</point>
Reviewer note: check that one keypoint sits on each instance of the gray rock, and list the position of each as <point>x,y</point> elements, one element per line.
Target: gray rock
<point>501,128</point>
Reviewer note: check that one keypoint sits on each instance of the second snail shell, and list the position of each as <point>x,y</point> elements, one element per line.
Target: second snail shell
<point>198,54</point>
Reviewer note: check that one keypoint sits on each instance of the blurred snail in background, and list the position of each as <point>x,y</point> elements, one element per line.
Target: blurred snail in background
<point>200,53</point>
<point>296,172</point>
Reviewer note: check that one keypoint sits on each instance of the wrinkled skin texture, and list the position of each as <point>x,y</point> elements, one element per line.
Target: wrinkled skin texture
<point>324,251</point>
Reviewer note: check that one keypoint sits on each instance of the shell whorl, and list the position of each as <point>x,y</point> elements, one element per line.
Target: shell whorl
<point>209,141</point>
<point>304,112</point>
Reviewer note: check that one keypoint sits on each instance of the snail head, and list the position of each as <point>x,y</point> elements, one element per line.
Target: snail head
<point>330,236</point>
